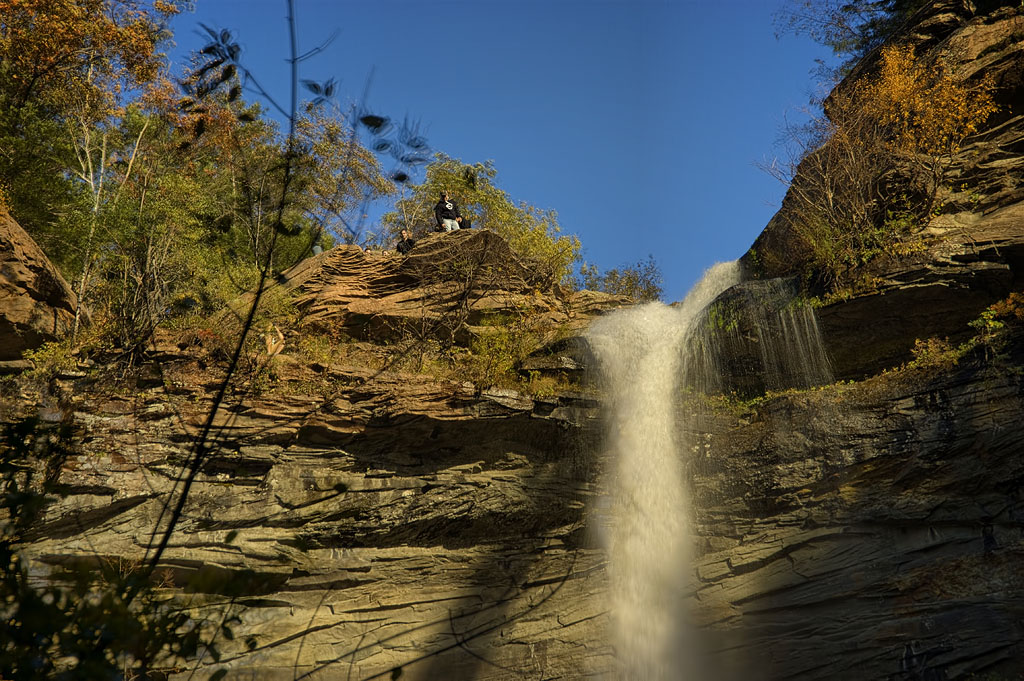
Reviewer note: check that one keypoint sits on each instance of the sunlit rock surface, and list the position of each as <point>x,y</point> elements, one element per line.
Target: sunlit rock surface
<point>863,531</point>
<point>383,523</point>
<point>449,286</point>
<point>974,251</point>
<point>36,303</point>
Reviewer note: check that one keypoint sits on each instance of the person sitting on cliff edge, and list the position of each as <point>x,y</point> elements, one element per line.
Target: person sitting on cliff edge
<point>446,212</point>
<point>406,244</point>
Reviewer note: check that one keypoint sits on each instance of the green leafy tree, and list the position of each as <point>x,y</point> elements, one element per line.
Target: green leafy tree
<point>336,173</point>
<point>529,231</point>
<point>850,28</point>
<point>62,61</point>
<point>640,281</point>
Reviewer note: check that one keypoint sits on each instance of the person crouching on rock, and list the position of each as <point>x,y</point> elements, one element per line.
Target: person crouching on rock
<point>406,244</point>
<point>446,212</point>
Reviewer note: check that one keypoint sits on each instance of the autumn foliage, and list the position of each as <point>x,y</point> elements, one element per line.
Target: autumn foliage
<point>869,170</point>
<point>59,52</point>
<point>922,108</point>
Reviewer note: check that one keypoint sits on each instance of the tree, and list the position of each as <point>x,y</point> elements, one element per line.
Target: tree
<point>924,113</point>
<point>61,59</point>
<point>851,28</point>
<point>866,172</point>
<point>531,232</point>
<point>337,174</point>
<point>640,281</point>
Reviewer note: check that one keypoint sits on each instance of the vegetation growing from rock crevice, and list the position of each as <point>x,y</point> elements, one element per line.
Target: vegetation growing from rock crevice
<point>869,170</point>
<point>997,330</point>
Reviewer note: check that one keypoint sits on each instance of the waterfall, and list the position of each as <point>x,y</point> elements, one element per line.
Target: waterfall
<point>758,336</point>
<point>723,337</point>
<point>639,353</point>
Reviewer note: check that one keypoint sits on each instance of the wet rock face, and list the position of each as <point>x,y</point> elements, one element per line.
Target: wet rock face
<point>757,336</point>
<point>868,532</point>
<point>36,304</point>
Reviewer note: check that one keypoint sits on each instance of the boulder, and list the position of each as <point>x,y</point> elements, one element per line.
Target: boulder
<point>36,304</point>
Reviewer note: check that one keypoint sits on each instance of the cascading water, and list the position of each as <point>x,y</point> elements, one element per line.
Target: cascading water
<point>639,353</point>
<point>758,336</point>
<point>646,354</point>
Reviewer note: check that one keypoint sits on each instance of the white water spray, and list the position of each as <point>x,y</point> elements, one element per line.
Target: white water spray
<point>639,351</point>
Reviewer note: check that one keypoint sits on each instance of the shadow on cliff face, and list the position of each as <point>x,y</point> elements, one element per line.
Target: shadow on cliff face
<point>443,537</point>
<point>509,615</point>
<point>870,531</point>
<point>494,497</point>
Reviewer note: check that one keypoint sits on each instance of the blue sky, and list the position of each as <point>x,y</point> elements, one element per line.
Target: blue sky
<point>640,122</point>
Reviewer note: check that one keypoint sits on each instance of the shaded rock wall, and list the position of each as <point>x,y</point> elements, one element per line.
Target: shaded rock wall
<point>870,531</point>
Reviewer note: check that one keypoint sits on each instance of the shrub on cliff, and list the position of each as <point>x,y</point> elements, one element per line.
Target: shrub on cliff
<point>640,281</point>
<point>868,170</point>
<point>531,232</point>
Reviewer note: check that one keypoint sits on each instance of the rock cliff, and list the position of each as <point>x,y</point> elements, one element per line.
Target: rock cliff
<point>382,524</point>
<point>973,252</point>
<point>868,531</point>
<point>385,522</point>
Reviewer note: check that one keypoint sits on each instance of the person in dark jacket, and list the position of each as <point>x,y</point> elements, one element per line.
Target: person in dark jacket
<point>406,244</point>
<point>446,212</point>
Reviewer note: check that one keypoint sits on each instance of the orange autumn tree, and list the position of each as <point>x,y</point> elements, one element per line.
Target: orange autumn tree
<point>923,112</point>
<point>58,59</point>
<point>54,52</point>
<point>871,167</point>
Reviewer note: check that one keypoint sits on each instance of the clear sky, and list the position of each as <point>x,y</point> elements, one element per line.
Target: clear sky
<point>639,121</point>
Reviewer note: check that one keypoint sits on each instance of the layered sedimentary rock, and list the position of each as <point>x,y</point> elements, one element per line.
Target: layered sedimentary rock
<point>380,523</point>
<point>864,531</point>
<point>973,252</point>
<point>449,286</point>
<point>868,531</point>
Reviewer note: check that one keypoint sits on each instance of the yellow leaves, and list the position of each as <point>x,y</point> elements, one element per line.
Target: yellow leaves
<point>922,109</point>
<point>166,8</point>
<point>70,50</point>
